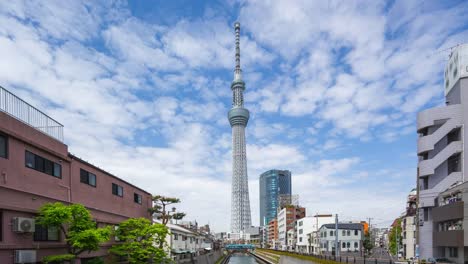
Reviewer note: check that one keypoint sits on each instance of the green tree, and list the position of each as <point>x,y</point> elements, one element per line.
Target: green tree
<point>138,237</point>
<point>76,225</point>
<point>367,243</point>
<point>395,237</point>
<point>160,209</point>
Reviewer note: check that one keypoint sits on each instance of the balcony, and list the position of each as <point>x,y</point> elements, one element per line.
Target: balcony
<point>21,110</point>
<point>428,117</point>
<point>427,167</point>
<point>426,197</point>
<point>452,238</point>
<point>448,212</point>
<point>426,143</point>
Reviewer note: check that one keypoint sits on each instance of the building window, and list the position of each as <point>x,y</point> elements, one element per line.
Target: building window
<point>348,232</point>
<point>43,165</point>
<point>356,232</point>
<point>3,146</point>
<point>176,237</point>
<point>137,198</point>
<point>344,245</point>
<point>300,239</point>
<point>426,214</point>
<point>343,233</point>
<point>44,233</point>
<point>331,233</point>
<point>355,245</point>
<point>453,252</point>
<point>348,245</point>
<point>300,231</point>
<point>87,177</point>
<point>453,164</point>
<point>453,136</point>
<point>300,223</point>
<point>117,190</point>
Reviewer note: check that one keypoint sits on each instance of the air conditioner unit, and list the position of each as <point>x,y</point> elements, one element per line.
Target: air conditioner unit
<point>25,256</point>
<point>23,225</point>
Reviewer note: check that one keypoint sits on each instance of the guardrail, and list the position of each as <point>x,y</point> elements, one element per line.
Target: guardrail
<point>23,111</point>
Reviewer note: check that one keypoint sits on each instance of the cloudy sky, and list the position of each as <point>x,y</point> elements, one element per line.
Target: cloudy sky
<point>143,89</point>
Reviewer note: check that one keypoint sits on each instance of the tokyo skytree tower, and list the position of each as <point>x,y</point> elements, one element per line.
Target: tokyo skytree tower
<point>238,118</point>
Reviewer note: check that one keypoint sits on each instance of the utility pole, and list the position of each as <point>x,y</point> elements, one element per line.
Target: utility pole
<point>417,216</point>
<point>336,236</point>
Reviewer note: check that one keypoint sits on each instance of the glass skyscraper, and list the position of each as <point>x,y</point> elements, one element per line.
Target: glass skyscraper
<point>273,183</point>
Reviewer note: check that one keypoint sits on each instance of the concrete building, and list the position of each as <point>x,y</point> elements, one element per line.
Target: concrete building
<point>307,227</point>
<point>408,227</point>
<point>286,219</point>
<point>292,238</point>
<point>36,168</point>
<point>350,237</point>
<point>450,217</point>
<point>441,145</point>
<point>273,184</point>
<point>273,233</point>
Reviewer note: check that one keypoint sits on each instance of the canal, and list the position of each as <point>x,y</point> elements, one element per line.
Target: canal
<point>242,259</point>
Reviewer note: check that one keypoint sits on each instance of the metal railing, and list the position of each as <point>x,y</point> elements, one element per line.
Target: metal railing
<point>21,110</point>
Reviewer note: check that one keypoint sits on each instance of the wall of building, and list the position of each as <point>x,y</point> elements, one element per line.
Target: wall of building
<point>23,190</point>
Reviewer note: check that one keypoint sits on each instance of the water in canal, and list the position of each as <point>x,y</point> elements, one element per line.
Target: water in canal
<point>242,259</point>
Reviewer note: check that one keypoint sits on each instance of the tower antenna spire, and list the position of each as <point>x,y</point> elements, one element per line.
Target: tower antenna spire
<point>238,71</point>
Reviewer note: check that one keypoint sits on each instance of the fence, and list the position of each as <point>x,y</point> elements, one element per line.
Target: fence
<point>21,110</point>
<point>342,259</point>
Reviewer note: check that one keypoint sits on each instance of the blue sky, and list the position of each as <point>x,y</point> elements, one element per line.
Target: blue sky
<point>143,89</point>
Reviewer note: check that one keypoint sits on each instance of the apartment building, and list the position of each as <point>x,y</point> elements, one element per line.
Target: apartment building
<point>287,217</point>
<point>273,233</point>
<point>408,227</point>
<point>441,146</point>
<point>350,237</point>
<point>36,168</point>
<point>307,227</point>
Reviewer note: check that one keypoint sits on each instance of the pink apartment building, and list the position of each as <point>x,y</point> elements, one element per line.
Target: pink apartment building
<point>36,168</point>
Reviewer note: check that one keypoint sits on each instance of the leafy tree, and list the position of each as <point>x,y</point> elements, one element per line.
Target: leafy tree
<point>138,238</point>
<point>75,223</point>
<point>367,243</point>
<point>159,210</point>
<point>395,237</point>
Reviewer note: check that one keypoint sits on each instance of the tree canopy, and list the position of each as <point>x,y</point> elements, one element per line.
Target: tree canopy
<point>139,239</point>
<point>159,209</point>
<point>75,223</point>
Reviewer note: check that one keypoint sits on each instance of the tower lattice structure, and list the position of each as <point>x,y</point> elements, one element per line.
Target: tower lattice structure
<point>238,118</point>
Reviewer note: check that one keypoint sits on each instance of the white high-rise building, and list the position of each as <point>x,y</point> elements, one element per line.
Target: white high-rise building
<point>238,118</point>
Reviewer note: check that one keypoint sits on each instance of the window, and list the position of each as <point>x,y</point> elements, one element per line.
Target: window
<point>300,223</point>
<point>3,146</point>
<point>87,177</point>
<point>348,232</point>
<point>43,165</point>
<point>453,252</point>
<point>453,136</point>
<point>453,164</point>
<point>344,245</point>
<point>176,237</point>
<point>300,231</point>
<point>356,232</point>
<point>348,245</point>
<point>137,198</point>
<point>343,233</point>
<point>117,190</point>
<point>300,239</point>
<point>43,233</point>
<point>355,245</point>
<point>331,233</point>
<point>426,214</point>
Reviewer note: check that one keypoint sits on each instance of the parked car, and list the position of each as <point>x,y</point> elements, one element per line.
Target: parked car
<point>431,261</point>
<point>443,260</point>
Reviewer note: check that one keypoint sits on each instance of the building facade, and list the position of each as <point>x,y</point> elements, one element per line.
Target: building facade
<point>272,237</point>
<point>238,118</point>
<point>350,238</point>
<point>36,168</point>
<point>408,227</point>
<point>273,184</point>
<point>307,227</point>
<point>441,145</point>
<point>286,221</point>
<point>450,216</point>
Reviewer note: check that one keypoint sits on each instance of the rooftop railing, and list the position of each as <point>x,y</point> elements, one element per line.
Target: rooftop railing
<point>21,110</point>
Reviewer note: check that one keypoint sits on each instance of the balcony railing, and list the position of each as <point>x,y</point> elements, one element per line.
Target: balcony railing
<point>21,110</point>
